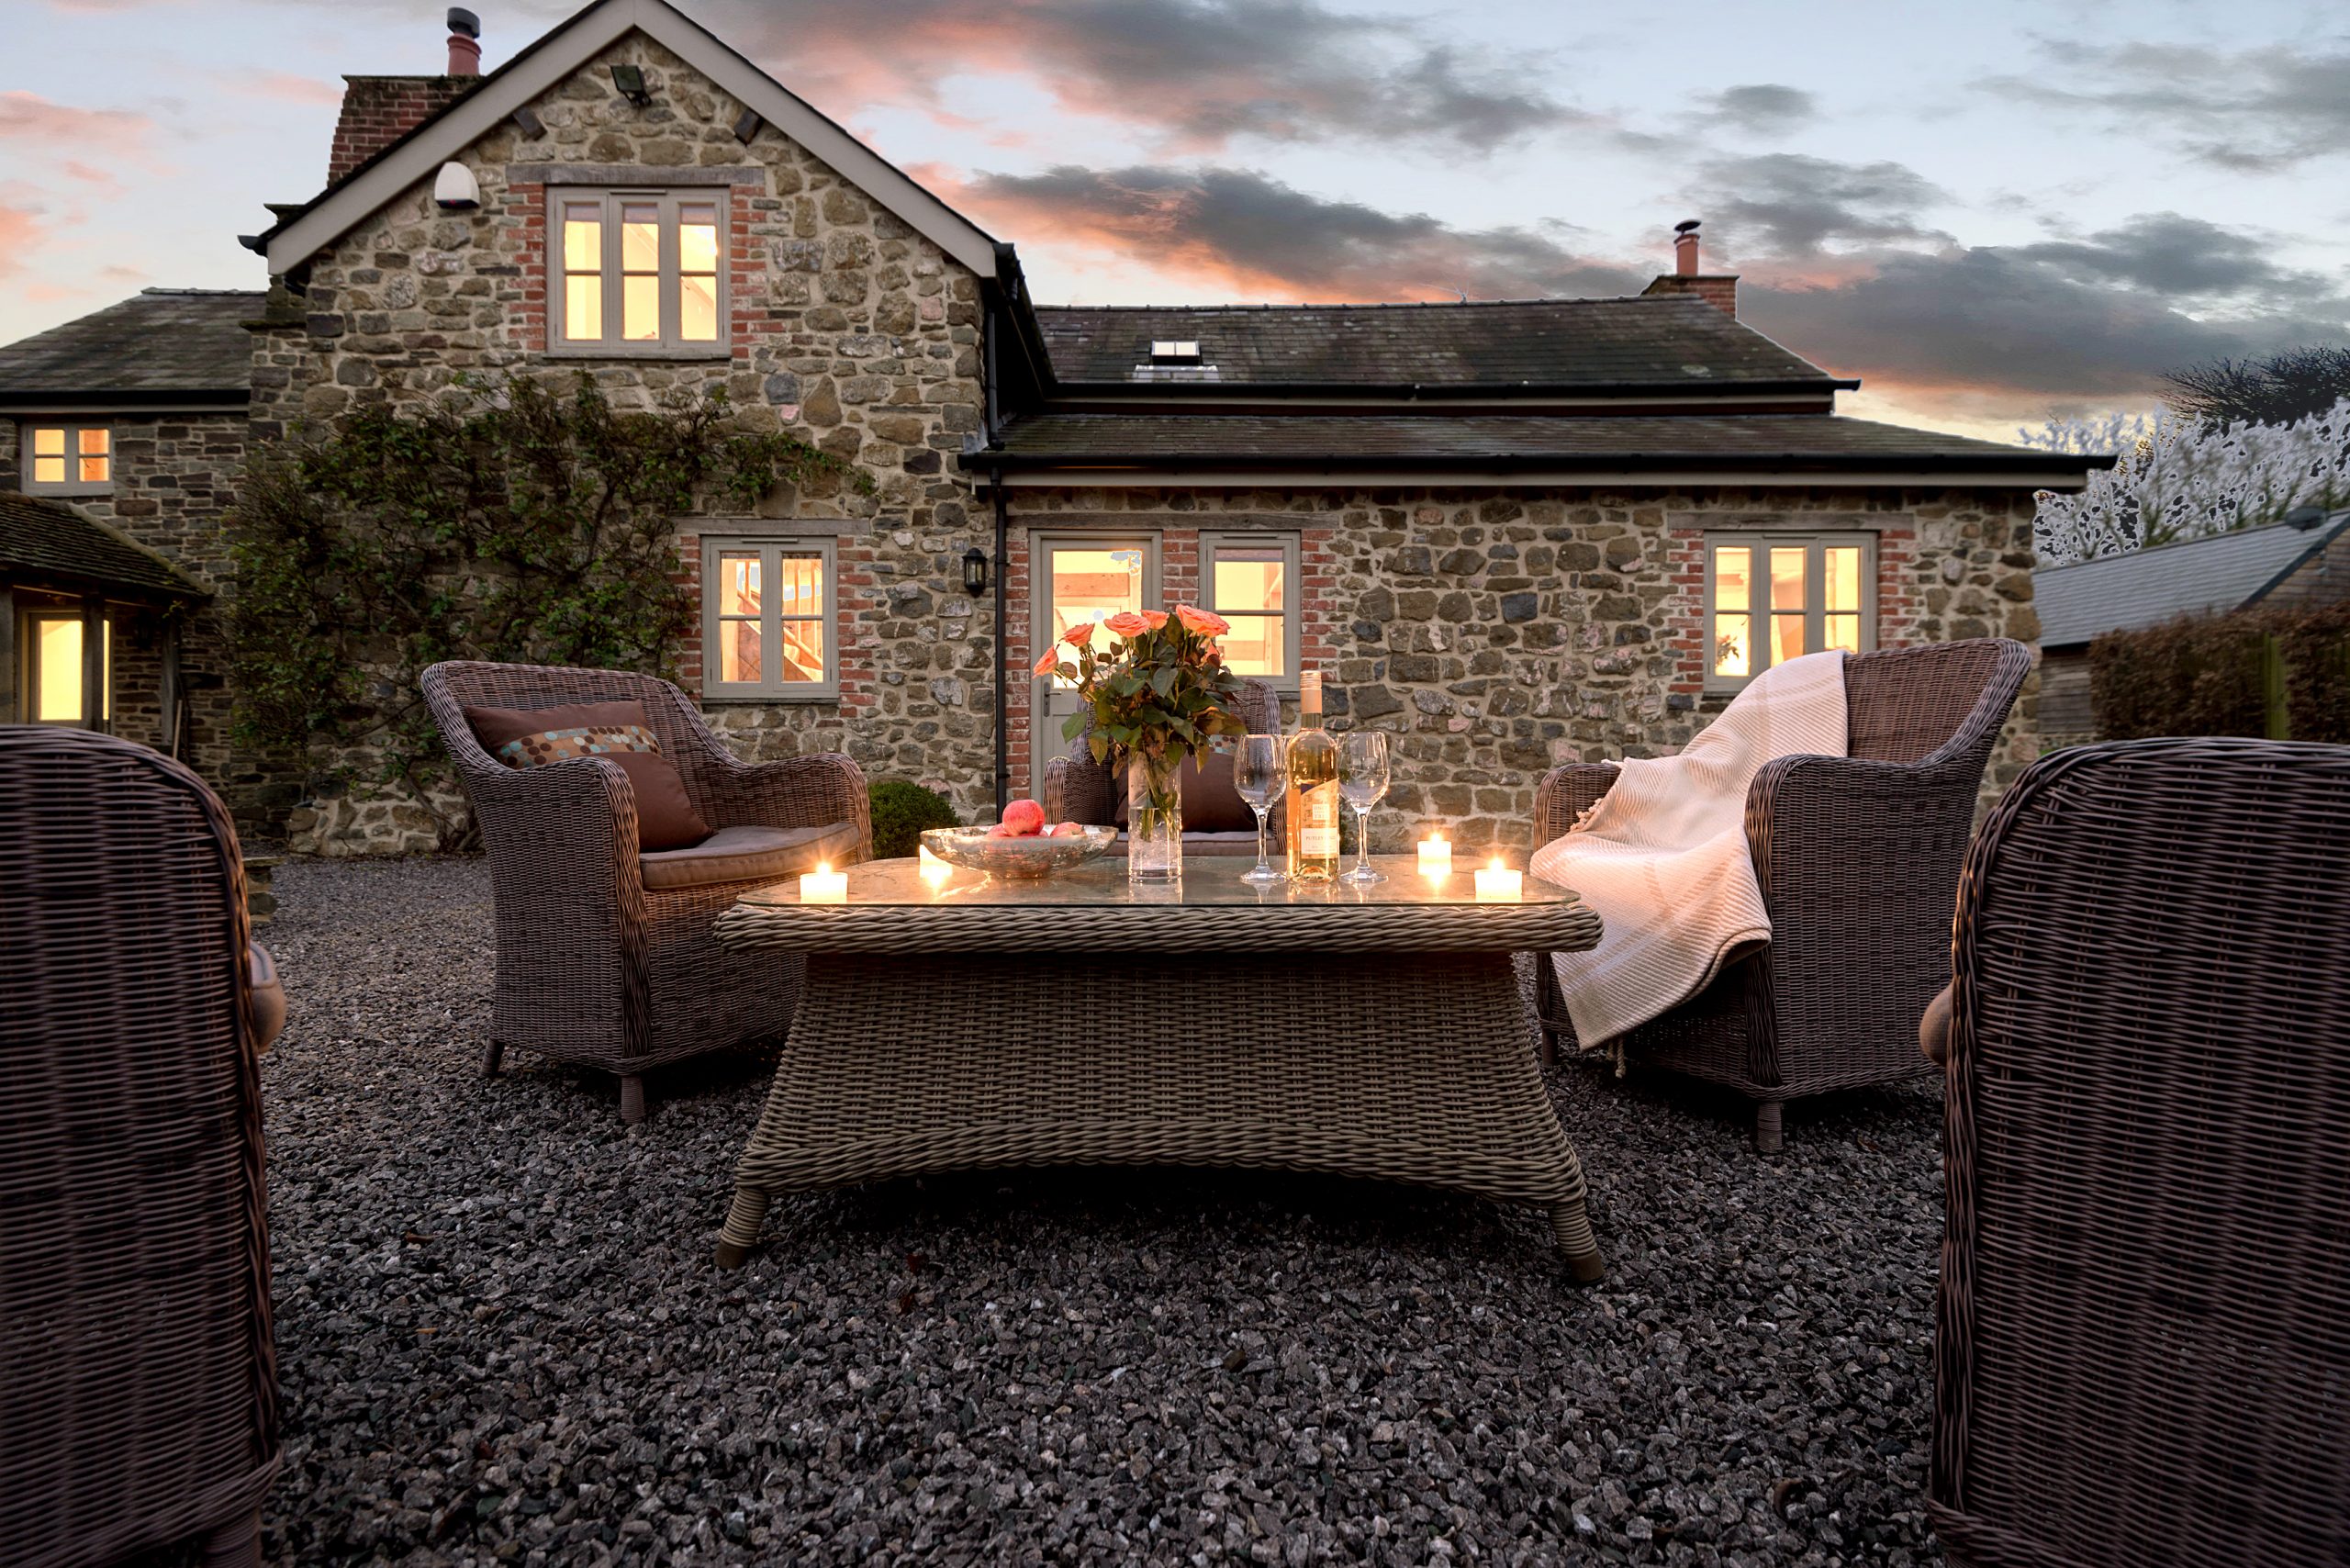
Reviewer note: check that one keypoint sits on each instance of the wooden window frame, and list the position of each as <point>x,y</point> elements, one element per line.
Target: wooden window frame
<point>1815,589</point>
<point>770,687</point>
<point>1292,592</point>
<point>27,673</point>
<point>71,486</point>
<point>611,345</point>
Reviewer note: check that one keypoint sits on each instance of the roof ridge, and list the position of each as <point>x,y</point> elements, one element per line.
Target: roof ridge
<point>1390,304</point>
<point>157,288</point>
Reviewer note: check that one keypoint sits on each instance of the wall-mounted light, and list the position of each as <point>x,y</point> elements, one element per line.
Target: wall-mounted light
<point>630,80</point>
<point>974,571</point>
<point>454,189</point>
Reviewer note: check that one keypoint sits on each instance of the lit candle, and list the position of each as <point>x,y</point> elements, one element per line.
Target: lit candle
<point>1498,883</point>
<point>1436,857</point>
<point>823,885</point>
<point>933,870</point>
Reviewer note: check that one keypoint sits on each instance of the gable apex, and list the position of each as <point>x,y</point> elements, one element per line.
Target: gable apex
<point>546,61</point>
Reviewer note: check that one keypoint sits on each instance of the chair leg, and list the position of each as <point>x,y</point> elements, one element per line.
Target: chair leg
<point>1766,1125</point>
<point>235,1545</point>
<point>632,1099</point>
<point>492,1056</point>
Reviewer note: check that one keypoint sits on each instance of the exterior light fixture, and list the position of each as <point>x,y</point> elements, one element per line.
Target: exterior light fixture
<point>455,188</point>
<point>974,571</point>
<point>630,80</point>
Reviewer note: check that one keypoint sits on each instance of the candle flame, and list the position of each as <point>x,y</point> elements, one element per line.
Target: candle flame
<point>823,867</point>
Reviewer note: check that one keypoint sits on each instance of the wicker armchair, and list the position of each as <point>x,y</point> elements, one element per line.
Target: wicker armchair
<point>137,1385</point>
<point>2141,1354</point>
<point>1858,857</point>
<point>1079,789</point>
<point>604,955</point>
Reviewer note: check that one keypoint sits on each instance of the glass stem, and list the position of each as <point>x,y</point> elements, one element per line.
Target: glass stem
<point>1263,864</point>
<point>1362,838</point>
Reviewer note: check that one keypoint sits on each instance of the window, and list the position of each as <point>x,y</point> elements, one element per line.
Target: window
<point>637,272</point>
<point>67,459</point>
<point>1251,581</point>
<point>52,674</point>
<point>1775,597</point>
<point>767,618</point>
<point>1177,351</point>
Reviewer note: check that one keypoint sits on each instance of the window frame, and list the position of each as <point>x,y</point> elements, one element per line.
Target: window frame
<point>73,486</point>
<point>611,346</point>
<point>770,548</point>
<point>1293,610</point>
<point>28,674</point>
<point>1815,595</point>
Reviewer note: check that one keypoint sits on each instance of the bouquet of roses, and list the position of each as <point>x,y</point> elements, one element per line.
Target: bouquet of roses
<point>1156,687</point>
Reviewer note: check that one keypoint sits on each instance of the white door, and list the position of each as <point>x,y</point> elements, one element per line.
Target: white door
<point>1087,577</point>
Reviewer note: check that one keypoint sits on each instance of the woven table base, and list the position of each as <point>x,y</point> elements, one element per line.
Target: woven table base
<point>1415,1069</point>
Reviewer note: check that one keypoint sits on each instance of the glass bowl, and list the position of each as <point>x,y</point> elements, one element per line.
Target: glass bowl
<point>971,848</point>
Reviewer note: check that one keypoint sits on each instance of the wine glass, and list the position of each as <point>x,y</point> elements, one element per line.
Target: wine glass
<point>1362,782</point>
<point>1259,770</point>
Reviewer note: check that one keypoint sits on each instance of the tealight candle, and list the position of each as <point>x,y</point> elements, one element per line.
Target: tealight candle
<point>933,870</point>
<point>1498,883</point>
<point>823,885</point>
<point>1436,857</point>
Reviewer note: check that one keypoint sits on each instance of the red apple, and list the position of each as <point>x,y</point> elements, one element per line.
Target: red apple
<point>1024,818</point>
<point>1072,830</point>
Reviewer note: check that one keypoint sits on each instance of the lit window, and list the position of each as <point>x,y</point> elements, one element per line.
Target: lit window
<point>767,611</point>
<point>1772,597</point>
<point>52,645</point>
<point>63,459</point>
<point>1251,581</point>
<point>639,272</point>
<point>1174,351</point>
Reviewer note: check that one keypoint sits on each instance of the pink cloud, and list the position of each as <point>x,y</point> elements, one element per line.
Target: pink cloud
<point>285,86</point>
<point>28,117</point>
<point>20,233</point>
<point>75,169</point>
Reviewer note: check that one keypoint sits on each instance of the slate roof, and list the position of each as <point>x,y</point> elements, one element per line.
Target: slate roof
<point>162,345</point>
<point>46,543</point>
<point>1780,442</point>
<point>2123,593</point>
<point>1655,343</point>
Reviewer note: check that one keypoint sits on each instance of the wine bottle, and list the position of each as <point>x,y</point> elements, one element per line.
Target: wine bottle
<point>1313,824</point>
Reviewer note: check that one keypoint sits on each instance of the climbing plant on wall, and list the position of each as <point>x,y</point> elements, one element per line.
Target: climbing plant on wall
<point>511,520</point>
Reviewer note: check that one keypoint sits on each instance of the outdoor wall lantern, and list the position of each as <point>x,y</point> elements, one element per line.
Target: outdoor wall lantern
<point>974,571</point>
<point>629,80</point>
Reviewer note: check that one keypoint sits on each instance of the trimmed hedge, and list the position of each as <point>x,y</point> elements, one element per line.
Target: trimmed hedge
<point>901,810</point>
<point>2282,672</point>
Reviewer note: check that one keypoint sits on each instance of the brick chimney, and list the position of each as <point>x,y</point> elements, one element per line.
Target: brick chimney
<point>1717,289</point>
<point>379,110</point>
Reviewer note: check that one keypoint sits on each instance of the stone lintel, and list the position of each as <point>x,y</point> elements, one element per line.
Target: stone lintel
<point>635,174</point>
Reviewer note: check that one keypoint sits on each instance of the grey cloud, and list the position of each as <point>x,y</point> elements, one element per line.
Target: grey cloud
<point>1239,221</point>
<point>1791,205</point>
<point>2170,253</point>
<point>1761,107</point>
<point>2257,109</point>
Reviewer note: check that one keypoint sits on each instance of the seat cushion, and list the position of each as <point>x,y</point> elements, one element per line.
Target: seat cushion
<point>527,738</point>
<point>1213,844</point>
<point>749,855</point>
<point>1211,803</point>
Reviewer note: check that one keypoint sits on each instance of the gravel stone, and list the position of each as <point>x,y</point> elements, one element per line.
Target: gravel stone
<point>501,1339</point>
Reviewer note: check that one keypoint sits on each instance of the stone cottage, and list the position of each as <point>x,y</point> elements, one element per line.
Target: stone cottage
<point>1514,532</point>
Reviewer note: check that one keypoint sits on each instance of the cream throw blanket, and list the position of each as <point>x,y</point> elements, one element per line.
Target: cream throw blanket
<point>1664,855</point>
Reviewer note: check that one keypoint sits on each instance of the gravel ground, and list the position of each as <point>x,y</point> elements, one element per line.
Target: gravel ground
<point>501,1339</point>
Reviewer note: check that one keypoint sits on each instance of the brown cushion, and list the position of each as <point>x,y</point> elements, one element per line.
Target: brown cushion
<point>526,737</point>
<point>1215,844</point>
<point>1211,801</point>
<point>750,854</point>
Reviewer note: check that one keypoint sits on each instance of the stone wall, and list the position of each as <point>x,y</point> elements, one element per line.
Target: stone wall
<point>1501,633</point>
<point>848,327</point>
<point>174,480</point>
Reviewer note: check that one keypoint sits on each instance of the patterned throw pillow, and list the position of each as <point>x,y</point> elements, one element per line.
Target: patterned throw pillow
<point>533,737</point>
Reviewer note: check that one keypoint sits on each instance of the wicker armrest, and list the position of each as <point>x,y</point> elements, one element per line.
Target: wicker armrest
<point>795,792</point>
<point>1565,794</point>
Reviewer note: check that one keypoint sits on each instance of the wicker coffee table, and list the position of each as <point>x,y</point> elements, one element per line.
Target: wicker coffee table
<point>978,1025</point>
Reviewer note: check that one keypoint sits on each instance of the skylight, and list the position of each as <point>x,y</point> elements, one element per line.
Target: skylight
<point>1174,351</point>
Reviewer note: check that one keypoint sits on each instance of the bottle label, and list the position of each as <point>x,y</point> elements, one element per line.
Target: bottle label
<point>1318,836</point>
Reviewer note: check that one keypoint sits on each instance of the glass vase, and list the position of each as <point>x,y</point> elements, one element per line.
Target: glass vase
<point>1155,817</point>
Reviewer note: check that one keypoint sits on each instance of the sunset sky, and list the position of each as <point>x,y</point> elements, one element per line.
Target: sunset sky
<point>1989,211</point>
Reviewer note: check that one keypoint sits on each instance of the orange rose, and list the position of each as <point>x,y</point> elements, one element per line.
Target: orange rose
<point>1207,622</point>
<point>1155,619</point>
<point>1050,662</point>
<point>1126,623</point>
<point>1080,635</point>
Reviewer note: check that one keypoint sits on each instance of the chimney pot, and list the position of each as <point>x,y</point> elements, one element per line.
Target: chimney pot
<point>464,50</point>
<point>1684,248</point>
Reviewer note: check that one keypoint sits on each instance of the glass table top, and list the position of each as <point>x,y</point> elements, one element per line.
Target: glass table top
<point>1208,881</point>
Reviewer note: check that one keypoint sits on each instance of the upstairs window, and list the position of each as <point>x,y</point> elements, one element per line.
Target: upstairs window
<point>637,272</point>
<point>1776,596</point>
<point>61,459</point>
<point>1251,581</point>
<point>767,618</point>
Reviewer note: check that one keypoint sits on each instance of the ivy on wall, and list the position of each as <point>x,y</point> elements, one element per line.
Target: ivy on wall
<point>513,520</point>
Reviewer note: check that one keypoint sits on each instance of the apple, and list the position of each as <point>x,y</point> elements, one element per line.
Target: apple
<point>1024,818</point>
<point>1071,830</point>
